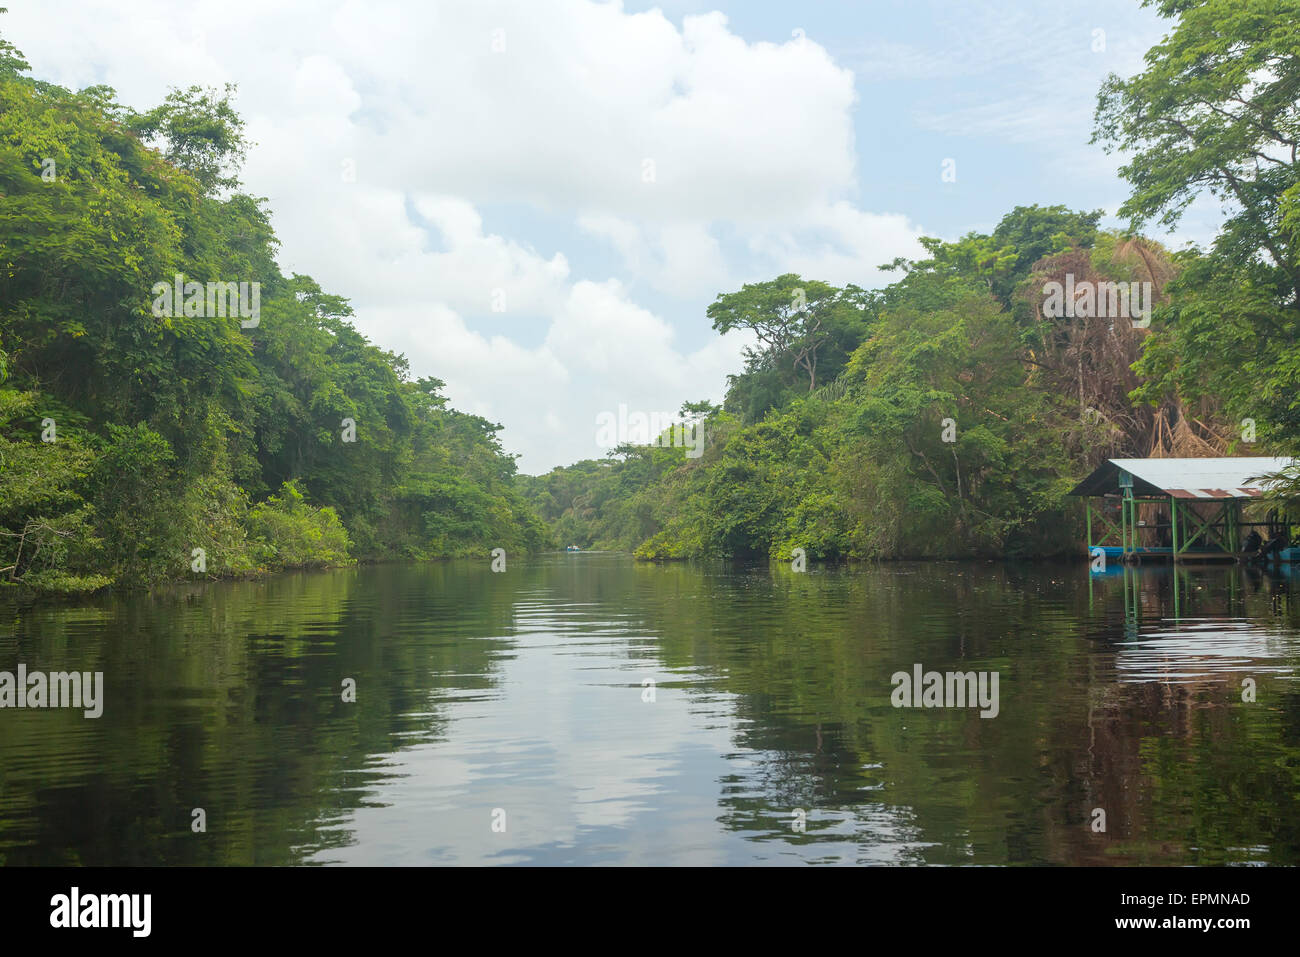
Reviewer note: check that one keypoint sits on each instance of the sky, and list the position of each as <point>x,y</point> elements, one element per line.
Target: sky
<point>536,200</point>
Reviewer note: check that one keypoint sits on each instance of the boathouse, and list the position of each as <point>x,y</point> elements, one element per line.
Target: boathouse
<point>1180,509</point>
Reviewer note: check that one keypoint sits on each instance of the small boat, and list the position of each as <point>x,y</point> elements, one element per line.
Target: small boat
<point>573,548</point>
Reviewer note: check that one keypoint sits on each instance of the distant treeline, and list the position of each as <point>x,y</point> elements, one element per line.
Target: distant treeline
<point>139,443</point>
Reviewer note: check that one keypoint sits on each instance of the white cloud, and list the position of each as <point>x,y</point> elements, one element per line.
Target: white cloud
<point>684,258</point>
<point>842,244</point>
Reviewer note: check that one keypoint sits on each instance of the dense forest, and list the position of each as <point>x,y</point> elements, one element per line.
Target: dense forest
<point>947,414</point>
<point>134,448</point>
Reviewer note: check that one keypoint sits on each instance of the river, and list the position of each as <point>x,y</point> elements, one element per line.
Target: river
<point>587,709</point>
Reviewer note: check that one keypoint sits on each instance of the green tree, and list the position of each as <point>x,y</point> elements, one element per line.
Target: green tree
<point>179,432</point>
<point>1217,112</point>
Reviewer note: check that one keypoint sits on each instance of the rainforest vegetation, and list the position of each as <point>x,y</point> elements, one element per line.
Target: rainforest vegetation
<point>946,414</point>
<point>135,449</point>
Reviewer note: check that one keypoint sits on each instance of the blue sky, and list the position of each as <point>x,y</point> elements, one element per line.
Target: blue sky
<point>535,200</point>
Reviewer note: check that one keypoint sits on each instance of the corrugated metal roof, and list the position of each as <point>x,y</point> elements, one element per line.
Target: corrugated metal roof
<point>1187,478</point>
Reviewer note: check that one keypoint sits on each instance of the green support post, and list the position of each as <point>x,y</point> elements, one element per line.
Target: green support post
<point>1130,523</point>
<point>1173,525</point>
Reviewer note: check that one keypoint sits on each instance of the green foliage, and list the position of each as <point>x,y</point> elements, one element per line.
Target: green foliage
<point>960,414</point>
<point>135,508</point>
<point>287,532</point>
<point>202,132</point>
<point>956,448</point>
<point>938,436</point>
<point>168,426</point>
<point>944,415</point>
<point>1033,232</point>
<point>805,330</point>
<point>1217,112</point>
<point>46,528</point>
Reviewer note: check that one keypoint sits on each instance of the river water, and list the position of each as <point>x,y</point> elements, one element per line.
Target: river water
<point>586,709</point>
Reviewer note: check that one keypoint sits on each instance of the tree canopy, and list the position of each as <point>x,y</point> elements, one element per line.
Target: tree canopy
<point>136,447</point>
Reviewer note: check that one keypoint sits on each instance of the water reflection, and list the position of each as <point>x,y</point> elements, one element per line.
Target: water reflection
<point>610,712</point>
